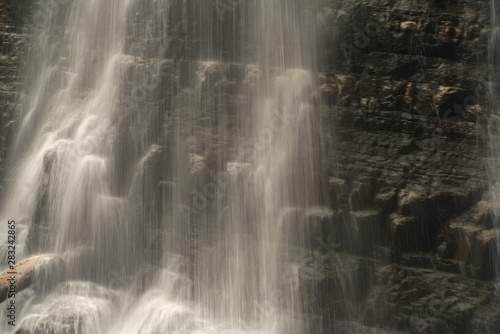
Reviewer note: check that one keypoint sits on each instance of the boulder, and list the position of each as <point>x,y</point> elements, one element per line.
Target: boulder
<point>41,267</point>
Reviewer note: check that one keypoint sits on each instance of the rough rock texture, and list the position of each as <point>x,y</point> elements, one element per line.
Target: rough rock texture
<point>75,307</point>
<point>29,271</point>
<point>407,100</point>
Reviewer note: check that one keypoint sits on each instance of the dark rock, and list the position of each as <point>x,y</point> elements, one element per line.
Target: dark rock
<point>405,112</point>
<point>339,192</point>
<point>325,280</point>
<point>411,234</point>
<point>368,229</point>
<point>349,327</point>
<point>427,301</point>
<point>13,41</point>
<point>386,199</point>
<point>470,239</point>
<point>320,226</point>
<point>484,252</point>
<point>361,193</point>
<point>414,203</point>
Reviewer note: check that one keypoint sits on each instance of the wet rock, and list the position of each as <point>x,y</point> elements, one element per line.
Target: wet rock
<point>317,228</point>
<point>327,280</point>
<point>411,234</point>
<point>412,126</point>
<point>238,168</point>
<point>419,300</point>
<point>197,163</point>
<point>414,203</point>
<point>432,261</point>
<point>321,224</point>
<point>484,252</point>
<point>44,268</point>
<point>393,92</point>
<point>349,327</point>
<point>14,42</point>
<point>293,221</point>
<point>367,228</point>
<point>409,26</point>
<point>438,203</point>
<point>75,307</point>
<point>486,318</point>
<point>338,89</point>
<point>471,240</point>
<point>460,239</point>
<point>448,99</point>
<point>361,193</point>
<point>386,199</point>
<point>339,192</point>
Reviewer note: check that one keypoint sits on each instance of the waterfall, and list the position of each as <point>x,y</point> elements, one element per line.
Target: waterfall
<point>490,128</point>
<point>167,175</point>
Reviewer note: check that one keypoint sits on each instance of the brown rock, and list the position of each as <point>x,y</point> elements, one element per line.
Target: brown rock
<point>27,272</point>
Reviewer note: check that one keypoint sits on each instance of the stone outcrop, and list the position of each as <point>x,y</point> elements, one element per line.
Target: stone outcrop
<point>41,268</point>
<point>74,307</point>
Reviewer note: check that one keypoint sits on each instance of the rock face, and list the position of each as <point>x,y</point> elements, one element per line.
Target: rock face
<point>75,307</point>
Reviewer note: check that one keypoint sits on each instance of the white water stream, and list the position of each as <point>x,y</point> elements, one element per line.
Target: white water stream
<point>83,184</point>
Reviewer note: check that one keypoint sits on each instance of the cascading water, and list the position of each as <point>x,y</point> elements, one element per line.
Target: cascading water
<point>489,127</point>
<point>114,167</point>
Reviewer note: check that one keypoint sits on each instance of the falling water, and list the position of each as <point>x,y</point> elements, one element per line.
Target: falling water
<point>491,128</point>
<point>165,174</point>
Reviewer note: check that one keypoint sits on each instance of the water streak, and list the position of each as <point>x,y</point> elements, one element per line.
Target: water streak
<point>133,108</point>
